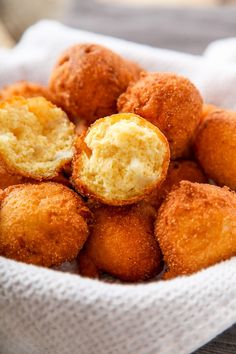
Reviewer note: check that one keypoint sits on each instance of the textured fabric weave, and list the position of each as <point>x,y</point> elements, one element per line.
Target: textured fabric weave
<point>50,312</point>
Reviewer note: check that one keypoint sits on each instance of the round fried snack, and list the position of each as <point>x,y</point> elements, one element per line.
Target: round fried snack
<point>122,242</point>
<point>215,147</point>
<point>178,171</point>
<point>25,89</point>
<point>196,227</point>
<point>43,224</point>
<point>88,79</point>
<point>120,159</point>
<point>170,102</point>
<point>36,138</point>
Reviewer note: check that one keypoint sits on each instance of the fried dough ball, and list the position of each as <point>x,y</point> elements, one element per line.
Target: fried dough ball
<point>36,138</point>
<point>215,147</point>
<point>43,224</point>
<point>120,159</point>
<point>170,102</point>
<point>122,242</point>
<point>177,172</point>
<point>88,79</point>
<point>25,89</point>
<point>196,227</point>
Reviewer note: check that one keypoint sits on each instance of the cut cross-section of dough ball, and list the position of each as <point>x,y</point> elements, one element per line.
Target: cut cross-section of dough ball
<point>36,137</point>
<point>120,159</point>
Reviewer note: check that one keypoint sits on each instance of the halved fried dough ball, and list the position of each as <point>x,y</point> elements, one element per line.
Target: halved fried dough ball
<point>122,242</point>
<point>120,159</point>
<point>36,138</point>
<point>178,171</point>
<point>196,227</point>
<point>170,102</point>
<point>215,147</point>
<point>88,79</point>
<point>43,224</point>
<point>25,89</point>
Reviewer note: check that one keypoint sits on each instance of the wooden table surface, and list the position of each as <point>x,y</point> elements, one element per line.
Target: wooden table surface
<point>81,16</point>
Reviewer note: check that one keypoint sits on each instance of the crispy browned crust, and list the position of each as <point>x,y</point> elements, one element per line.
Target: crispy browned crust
<point>178,171</point>
<point>122,242</point>
<point>215,147</point>
<point>13,172</point>
<point>43,224</point>
<point>25,89</point>
<point>81,147</point>
<point>88,79</point>
<point>9,178</point>
<point>170,102</point>
<point>196,227</point>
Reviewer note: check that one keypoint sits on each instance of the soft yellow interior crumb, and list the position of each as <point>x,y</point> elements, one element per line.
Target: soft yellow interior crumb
<point>36,137</point>
<point>126,158</point>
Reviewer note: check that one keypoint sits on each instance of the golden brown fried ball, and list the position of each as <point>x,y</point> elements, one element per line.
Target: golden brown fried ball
<point>25,89</point>
<point>170,102</point>
<point>88,79</point>
<point>178,171</point>
<point>36,138</point>
<point>43,224</point>
<point>122,242</point>
<point>215,147</point>
<point>196,227</point>
<point>120,159</point>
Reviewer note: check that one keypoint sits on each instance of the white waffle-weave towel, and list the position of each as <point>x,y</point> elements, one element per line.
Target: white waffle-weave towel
<point>49,312</point>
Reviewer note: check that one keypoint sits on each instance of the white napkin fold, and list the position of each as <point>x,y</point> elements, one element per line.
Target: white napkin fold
<point>44,311</point>
<point>222,51</point>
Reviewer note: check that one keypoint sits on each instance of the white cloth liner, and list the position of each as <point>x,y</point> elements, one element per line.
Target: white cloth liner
<point>45,311</point>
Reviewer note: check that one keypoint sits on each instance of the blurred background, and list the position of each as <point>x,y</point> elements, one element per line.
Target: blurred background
<point>185,25</point>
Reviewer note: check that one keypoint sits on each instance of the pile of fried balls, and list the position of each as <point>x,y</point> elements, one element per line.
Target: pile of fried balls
<point>124,172</point>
